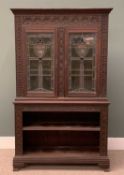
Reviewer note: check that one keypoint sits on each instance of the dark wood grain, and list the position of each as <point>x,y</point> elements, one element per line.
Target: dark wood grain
<point>61,127</point>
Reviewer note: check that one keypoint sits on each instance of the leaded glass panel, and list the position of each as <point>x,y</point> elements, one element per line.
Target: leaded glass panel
<point>82,49</point>
<point>40,61</point>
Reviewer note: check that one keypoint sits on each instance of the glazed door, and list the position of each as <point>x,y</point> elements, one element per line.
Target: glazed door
<point>41,62</point>
<point>78,74</point>
<point>81,58</point>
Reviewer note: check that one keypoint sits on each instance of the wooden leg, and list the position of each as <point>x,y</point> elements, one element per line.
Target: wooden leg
<point>105,166</point>
<point>18,166</point>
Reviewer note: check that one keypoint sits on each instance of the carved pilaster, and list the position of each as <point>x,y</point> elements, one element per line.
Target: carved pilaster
<point>104,46</point>
<point>61,56</point>
<point>21,91</point>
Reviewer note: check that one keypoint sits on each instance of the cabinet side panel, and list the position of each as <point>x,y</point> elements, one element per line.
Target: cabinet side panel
<point>20,73</point>
<point>103,58</point>
<point>104,130</point>
<point>18,130</point>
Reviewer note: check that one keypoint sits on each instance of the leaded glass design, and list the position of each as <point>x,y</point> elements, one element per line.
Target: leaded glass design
<point>40,61</point>
<point>82,48</point>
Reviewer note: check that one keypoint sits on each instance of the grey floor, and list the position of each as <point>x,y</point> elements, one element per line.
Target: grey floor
<point>116,159</point>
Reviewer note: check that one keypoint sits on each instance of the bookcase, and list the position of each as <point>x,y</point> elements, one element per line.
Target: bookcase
<point>61,108</point>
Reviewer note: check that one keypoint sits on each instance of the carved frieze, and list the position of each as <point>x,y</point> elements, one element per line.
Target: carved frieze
<point>63,19</point>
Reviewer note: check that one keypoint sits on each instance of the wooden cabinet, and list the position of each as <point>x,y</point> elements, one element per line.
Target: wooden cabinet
<point>61,108</point>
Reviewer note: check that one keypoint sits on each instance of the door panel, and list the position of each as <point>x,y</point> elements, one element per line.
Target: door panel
<point>41,61</point>
<point>81,47</point>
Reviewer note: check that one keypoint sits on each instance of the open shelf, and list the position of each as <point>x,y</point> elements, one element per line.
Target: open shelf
<point>80,119</point>
<point>61,131</point>
<point>62,140</point>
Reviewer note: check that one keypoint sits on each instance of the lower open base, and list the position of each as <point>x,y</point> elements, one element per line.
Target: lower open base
<point>60,158</point>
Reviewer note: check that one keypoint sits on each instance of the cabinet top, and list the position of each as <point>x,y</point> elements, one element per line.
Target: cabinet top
<point>62,11</point>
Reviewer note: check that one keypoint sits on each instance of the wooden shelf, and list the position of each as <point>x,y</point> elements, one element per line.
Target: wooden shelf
<point>61,128</point>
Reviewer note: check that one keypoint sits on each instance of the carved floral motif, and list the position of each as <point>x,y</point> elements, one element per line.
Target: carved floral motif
<point>63,19</point>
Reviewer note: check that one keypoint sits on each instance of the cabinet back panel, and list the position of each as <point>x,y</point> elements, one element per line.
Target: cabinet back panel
<point>61,118</point>
<point>38,140</point>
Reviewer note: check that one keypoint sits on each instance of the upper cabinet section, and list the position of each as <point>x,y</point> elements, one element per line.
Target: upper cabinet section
<point>61,52</point>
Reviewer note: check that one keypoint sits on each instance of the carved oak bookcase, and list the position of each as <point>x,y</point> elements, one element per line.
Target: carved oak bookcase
<point>61,108</point>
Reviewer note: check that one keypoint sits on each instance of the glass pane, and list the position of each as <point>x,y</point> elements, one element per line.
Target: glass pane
<point>75,67</point>
<point>88,64</point>
<point>33,67</point>
<point>40,61</point>
<point>75,81</point>
<point>82,48</point>
<point>34,82</point>
<point>47,82</point>
<point>88,82</point>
